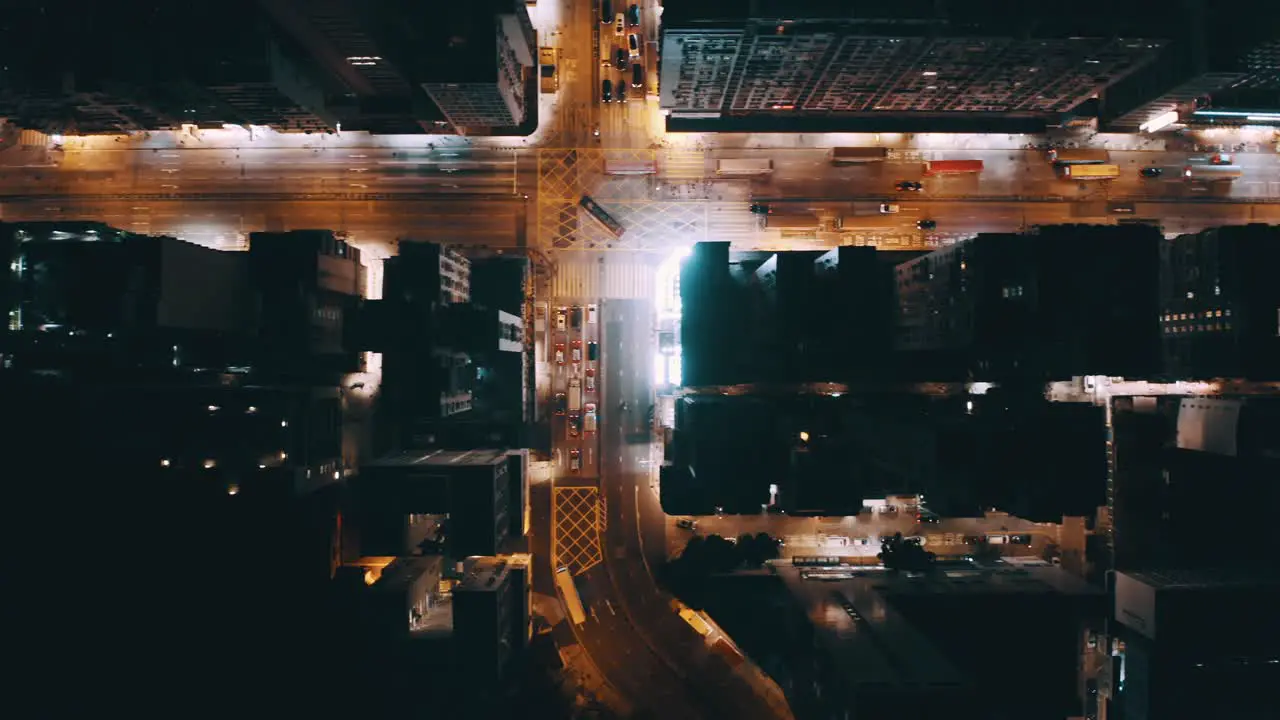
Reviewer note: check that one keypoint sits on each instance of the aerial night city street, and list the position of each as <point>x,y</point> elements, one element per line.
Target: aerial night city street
<point>768,359</point>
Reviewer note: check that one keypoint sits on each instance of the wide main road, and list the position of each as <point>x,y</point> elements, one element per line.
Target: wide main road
<point>635,537</point>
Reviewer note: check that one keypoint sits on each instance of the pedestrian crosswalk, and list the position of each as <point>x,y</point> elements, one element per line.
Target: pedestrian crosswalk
<point>731,221</point>
<point>588,278</point>
<point>683,164</point>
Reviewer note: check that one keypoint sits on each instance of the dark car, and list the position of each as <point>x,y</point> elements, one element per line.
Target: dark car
<point>593,351</point>
<point>575,426</point>
<point>760,209</point>
<point>634,43</point>
<point>620,58</point>
<point>908,186</point>
<point>561,403</point>
<point>926,224</point>
<point>606,11</point>
<point>637,75</point>
<point>1152,172</point>
<point>633,15</point>
<point>606,91</point>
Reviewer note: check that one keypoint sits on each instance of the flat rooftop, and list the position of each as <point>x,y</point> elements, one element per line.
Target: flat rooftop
<point>873,645</point>
<point>439,458</point>
<point>485,573</point>
<point>401,573</point>
<point>1208,578</point>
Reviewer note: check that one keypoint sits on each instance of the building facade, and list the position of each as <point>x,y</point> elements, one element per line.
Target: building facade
<point>846,61</point>
<point>483,72</point>
<point>1219,305</point>
<point>475,488</point>
<point>309,284</point>
<point>1003,306</point>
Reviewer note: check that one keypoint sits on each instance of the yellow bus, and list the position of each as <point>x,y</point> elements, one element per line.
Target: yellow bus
<point>564,581</point>
<point>1089,172</point>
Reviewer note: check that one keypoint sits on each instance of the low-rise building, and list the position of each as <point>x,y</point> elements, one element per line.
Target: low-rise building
<point>964,640</point>
<point>476,489</point>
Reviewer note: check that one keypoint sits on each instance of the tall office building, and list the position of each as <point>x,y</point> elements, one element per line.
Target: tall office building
<point>165,69</point>
<point>482,74</point>
<point>374,50</point>
<point>1204,73</point>
<point>1220,304</point>
<point>838,64</point>
<point>1005,306</point>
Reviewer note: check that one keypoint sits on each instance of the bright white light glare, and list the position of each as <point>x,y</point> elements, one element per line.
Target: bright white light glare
<point>979,388</point>
<point>56,139</point>
<point>1159,122</point>
<point>968,406</point>
<point>337,474</point>
<point>675,373</point>
<point>659,370</point>
<point>233,489</point>
<point>1237,113</point>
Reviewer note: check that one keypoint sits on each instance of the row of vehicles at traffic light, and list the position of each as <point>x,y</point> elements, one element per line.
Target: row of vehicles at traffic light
<point>627,54</point>
<point>580,359</point>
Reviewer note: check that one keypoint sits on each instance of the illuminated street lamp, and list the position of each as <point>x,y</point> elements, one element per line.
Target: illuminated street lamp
<point>804,436</point>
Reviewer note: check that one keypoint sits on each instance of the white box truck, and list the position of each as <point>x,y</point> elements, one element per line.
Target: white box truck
<point>575,395</point>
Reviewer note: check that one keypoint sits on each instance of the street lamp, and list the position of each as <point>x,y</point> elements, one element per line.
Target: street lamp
<point>804,436</point>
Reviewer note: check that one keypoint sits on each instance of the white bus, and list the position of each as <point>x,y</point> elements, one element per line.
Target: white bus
<point>564,581</point>
<point>744,166</point>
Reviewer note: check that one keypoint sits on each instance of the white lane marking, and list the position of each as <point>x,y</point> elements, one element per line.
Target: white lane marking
<point>610,605</point>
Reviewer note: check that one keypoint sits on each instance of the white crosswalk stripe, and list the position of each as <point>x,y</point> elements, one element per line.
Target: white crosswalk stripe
<point>589,279</point>
<point>731,221</point>
<point>683,164</point>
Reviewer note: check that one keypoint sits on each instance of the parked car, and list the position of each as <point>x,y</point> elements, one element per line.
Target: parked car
<point>591,380</point>
<point>606,90</point>
<point>633,15</point>
<point>593,351</point>
<point>686,524</point>
<point>637,75</point>
<point>760,209</point>
<point>575,426</point>
<point>560,321</point>
<point>889,208</point>
<point>620,24</point>
<point>575,460</point>
<point>591,314</point>
<point>620,58</point>
<point>633,43</point>
<point>559,353</point>
<point>561,403</point>
<point>577,351</point>
<point>926,224</point>
<point>1151,172</point>
<point>909,186</point>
